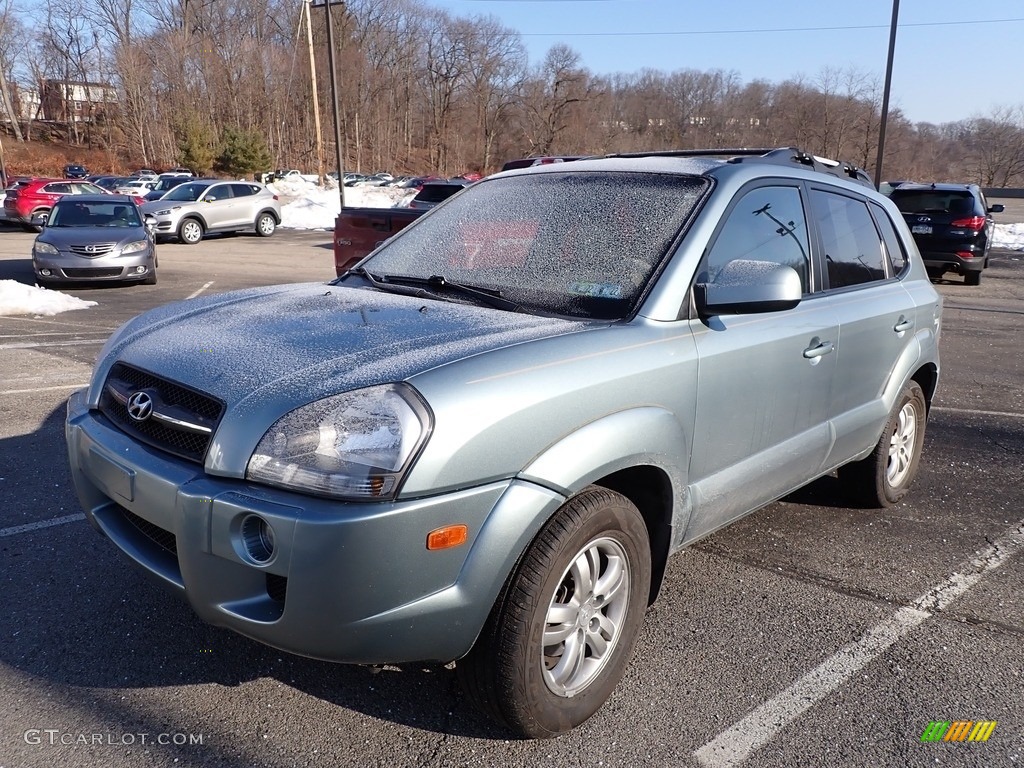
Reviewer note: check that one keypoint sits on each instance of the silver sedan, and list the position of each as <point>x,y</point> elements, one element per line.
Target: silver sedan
<point>95,237</point>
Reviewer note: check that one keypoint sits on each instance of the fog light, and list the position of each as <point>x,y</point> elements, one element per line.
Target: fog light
<point>140,270</point>
<point>258,539</point>
<point>45,272</point>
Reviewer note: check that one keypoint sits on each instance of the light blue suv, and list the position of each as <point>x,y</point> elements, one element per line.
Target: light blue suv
<point>483,442</point>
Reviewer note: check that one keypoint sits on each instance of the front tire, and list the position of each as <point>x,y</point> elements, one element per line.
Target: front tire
<point>190,231</point>
<point>561,633</point>
<point>885,477</point>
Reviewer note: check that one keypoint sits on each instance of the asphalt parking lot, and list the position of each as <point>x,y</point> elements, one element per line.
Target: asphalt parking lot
<point>808,634</point>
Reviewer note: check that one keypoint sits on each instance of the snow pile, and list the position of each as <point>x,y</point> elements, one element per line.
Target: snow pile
<point>19,299</point>
<point>307,206</point>
<point>1009,236</point>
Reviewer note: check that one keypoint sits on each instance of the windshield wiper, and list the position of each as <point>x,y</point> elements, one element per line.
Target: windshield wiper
<point>492,297</point>
<point>437,284</point>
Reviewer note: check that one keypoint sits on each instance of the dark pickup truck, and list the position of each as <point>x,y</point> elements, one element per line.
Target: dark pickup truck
<point>357,231</point>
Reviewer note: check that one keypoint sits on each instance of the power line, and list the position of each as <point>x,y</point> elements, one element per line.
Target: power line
<point>767,31</point>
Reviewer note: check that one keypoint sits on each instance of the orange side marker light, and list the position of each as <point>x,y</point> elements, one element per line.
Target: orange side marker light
<point>447,537</point>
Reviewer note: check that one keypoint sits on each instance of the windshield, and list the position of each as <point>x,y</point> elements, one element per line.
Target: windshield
<point>186,193</point>
<point>572,244</point>
<point>77,213</point>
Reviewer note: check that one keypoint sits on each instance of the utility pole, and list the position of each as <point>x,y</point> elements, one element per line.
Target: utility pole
<point>885,92</point>
<point>339,148</point>
<point>316,97</point>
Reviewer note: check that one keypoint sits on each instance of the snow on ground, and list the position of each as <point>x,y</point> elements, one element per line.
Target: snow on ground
<point>20,299</point>
<point>1009,236</point>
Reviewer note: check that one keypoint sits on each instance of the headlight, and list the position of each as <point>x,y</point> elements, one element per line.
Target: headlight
<point>46,248</point>
<point>164,212</point>
<point>138,245</point>
<point>356,445</point>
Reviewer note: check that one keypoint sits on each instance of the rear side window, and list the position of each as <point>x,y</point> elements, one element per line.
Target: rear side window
<point>852,246</point>
<point>437,193</point>
<point>243,190</point>
<point>767,224</point>
<point>893,246</point>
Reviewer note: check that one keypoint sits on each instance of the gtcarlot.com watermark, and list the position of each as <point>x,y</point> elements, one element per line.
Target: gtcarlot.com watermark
<point>55,736</point>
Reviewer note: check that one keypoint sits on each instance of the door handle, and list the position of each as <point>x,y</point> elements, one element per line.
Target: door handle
<point>903,325</point>
<point>818,348</point>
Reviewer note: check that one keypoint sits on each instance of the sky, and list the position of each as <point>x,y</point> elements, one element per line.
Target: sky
<point>307,206</point>
<point>953,60</point>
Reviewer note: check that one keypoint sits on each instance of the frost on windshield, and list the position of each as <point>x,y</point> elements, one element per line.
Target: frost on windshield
<point>581,244</point>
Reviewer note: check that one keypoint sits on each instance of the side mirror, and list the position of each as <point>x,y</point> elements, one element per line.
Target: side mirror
<point>746,286</point>
<point>150,221</point>
<point>997,208</point>
<point>40,219</point>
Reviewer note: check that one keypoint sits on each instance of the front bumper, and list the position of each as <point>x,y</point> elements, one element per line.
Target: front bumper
<point>347,582</point>
<point>67,267</point>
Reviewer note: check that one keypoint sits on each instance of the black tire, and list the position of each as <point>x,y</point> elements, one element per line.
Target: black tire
<point>150,278</point>
<point>972,278</point>
<point>884,477</point>
<point>190,231</point>
<point>265,224</point>
<point>510,673</point>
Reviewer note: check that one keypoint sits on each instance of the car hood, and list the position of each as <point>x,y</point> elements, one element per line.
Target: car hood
<point>61,237</point>
<point>283,346</point>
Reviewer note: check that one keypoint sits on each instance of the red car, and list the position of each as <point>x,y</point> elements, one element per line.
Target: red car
<point>29,203</point>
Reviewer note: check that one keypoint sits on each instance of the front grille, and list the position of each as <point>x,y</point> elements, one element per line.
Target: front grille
<point>186,404</point>
<point>96,273</point>
<point>163,539</point>
<point>94,250</point>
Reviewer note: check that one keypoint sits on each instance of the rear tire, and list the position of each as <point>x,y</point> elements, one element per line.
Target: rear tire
<point>972,278</point>
<point>884,477</point>
<point>562,631</point>
<point>265,225</point>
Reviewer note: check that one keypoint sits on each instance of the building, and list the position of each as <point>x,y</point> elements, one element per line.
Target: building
<point>75,100</point>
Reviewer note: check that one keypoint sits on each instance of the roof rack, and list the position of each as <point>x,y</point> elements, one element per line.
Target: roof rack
<point>779,155</point>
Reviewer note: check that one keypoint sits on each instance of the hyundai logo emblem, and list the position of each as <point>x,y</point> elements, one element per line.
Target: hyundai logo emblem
<point>924,219</point>
<point>140,406</point>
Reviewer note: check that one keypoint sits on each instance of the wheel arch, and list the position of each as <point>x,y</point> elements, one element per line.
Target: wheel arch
<point>272,212</point>
<point>640,453</point>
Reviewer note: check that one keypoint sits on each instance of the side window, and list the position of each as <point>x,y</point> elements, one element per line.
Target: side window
<point>57,189</point>
<point>218,192</point>
<point>853,248</point>
<point>893,246</point>
<point>767,224</point>
<point>241,190</point>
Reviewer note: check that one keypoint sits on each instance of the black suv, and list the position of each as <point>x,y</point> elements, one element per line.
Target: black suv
<point>75,172</point>
<point>952,224</point>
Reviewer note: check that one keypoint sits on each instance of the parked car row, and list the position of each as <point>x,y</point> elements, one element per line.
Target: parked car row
<point>88,232</point>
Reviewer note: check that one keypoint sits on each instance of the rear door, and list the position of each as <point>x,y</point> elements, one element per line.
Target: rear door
<point>878,318</point>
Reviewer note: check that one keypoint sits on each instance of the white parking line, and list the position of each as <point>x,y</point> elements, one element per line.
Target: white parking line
<point>41,524</point>
<point>43,389</point>
<point>1005,414</point>
<point>732,747</point>
<point>38,344</point>
<point>196,293</point>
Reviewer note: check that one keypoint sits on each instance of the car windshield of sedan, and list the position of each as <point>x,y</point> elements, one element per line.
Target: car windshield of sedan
<point>93,214</point>
<point>572,244</point>
<point>186,193</point>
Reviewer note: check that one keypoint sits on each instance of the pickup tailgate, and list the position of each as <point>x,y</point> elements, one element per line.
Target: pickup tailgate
<point>357,231</point>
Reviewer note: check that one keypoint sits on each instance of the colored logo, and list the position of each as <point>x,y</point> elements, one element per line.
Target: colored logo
<point>959,730</point>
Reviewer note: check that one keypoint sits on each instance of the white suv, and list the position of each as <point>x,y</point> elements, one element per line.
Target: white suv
<point>193,210</point>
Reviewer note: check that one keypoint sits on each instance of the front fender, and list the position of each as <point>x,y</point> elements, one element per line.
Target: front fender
<point>645,436</point>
